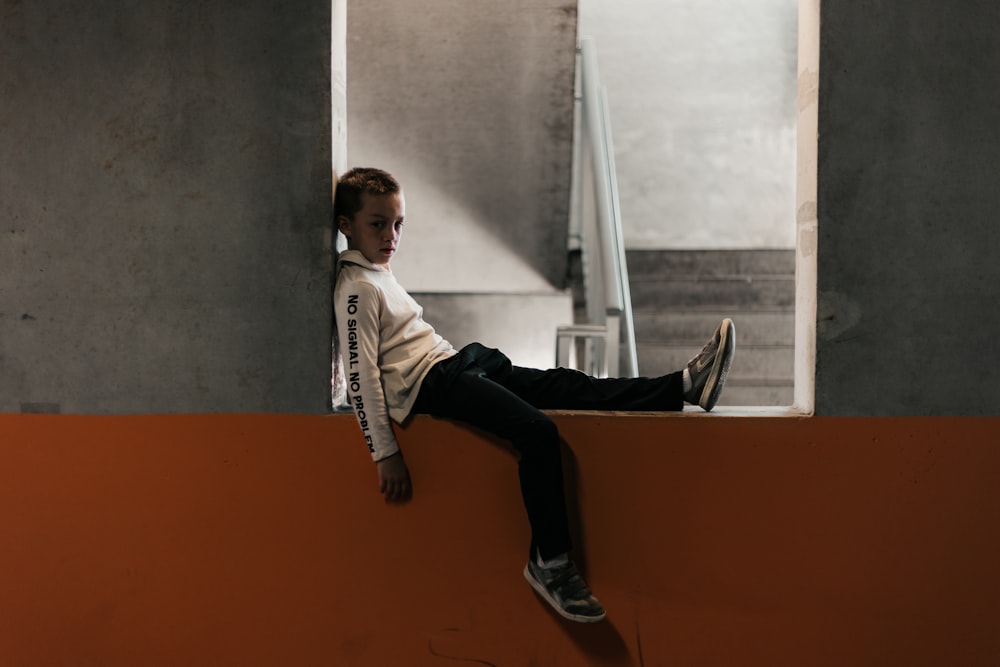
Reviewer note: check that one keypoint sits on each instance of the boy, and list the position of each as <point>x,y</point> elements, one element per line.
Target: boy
<point>396,365</point>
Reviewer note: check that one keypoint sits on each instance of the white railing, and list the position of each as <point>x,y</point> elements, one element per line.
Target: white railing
<point>595,228</point>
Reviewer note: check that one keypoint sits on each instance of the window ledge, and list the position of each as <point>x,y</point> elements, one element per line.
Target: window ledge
<point>695,412</point>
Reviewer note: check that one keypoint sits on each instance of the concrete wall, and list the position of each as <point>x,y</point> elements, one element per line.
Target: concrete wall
<point>907,209</point>
<point>702,101</point>
<point>164,202</point>
<point>523,326</point>
<point>470,105</point>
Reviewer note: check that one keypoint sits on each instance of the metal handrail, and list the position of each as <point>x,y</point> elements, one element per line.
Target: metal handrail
<point>607,243</point>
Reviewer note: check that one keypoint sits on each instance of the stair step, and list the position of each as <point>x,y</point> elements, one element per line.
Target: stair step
<point>736,394</point>
<point>693,264</point>
<point>771,293</point>
<point>694,328</point>
<point>753,364</point>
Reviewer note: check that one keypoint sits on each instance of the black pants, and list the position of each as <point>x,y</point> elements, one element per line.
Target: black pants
<point>479,386</point>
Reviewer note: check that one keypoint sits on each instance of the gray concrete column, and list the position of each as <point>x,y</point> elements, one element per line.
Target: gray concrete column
<point>164,206</point>
<point>907,206</point>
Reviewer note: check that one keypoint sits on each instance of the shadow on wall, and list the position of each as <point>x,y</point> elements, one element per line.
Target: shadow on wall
<point>476,106</point>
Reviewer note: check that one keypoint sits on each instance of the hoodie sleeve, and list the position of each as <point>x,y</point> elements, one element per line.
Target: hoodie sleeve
<point>357,308</point>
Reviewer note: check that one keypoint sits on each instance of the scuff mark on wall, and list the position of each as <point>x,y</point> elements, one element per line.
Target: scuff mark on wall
<point>437,654</point>
<point>836,314</point>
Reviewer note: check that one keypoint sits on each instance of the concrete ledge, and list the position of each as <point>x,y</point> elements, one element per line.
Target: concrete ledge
<point>261,540</point>
<point>689,411</point>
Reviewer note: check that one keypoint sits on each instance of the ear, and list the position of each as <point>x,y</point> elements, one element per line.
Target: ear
<point>344,225</point>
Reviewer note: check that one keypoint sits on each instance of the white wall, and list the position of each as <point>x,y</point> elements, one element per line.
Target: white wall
<point>470,105</point>
<point>702,100</point>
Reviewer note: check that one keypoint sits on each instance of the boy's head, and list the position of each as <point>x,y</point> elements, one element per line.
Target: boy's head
<point>357,182</point>
<point>368,209</point>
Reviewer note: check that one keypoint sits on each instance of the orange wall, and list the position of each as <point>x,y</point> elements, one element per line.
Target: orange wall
<point>712,540</point>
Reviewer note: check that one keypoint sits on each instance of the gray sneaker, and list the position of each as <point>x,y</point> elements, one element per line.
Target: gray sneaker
<point>708,370</point>
<point>564,589</point>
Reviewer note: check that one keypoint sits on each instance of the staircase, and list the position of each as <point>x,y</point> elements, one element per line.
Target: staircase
<point>679,297</point>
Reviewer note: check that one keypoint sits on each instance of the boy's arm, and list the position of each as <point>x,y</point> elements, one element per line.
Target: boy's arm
<point>357,312</point>
<point>394,478</point>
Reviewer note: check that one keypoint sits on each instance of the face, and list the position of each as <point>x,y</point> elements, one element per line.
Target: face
<point>376,228</point>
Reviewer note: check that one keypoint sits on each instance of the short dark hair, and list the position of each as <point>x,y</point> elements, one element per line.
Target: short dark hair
<point>356,182</point>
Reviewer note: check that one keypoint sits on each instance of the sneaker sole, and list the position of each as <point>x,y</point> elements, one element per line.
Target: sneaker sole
<point>535,584</point>
<point>720,369</point>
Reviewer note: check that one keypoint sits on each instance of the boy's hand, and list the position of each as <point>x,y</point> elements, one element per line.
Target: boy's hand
<point>394,478</point>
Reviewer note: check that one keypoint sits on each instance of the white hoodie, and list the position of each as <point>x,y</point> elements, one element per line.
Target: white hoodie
<point>386,346</point>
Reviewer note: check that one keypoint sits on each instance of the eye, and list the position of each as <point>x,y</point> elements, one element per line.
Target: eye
<point>399,225</point>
